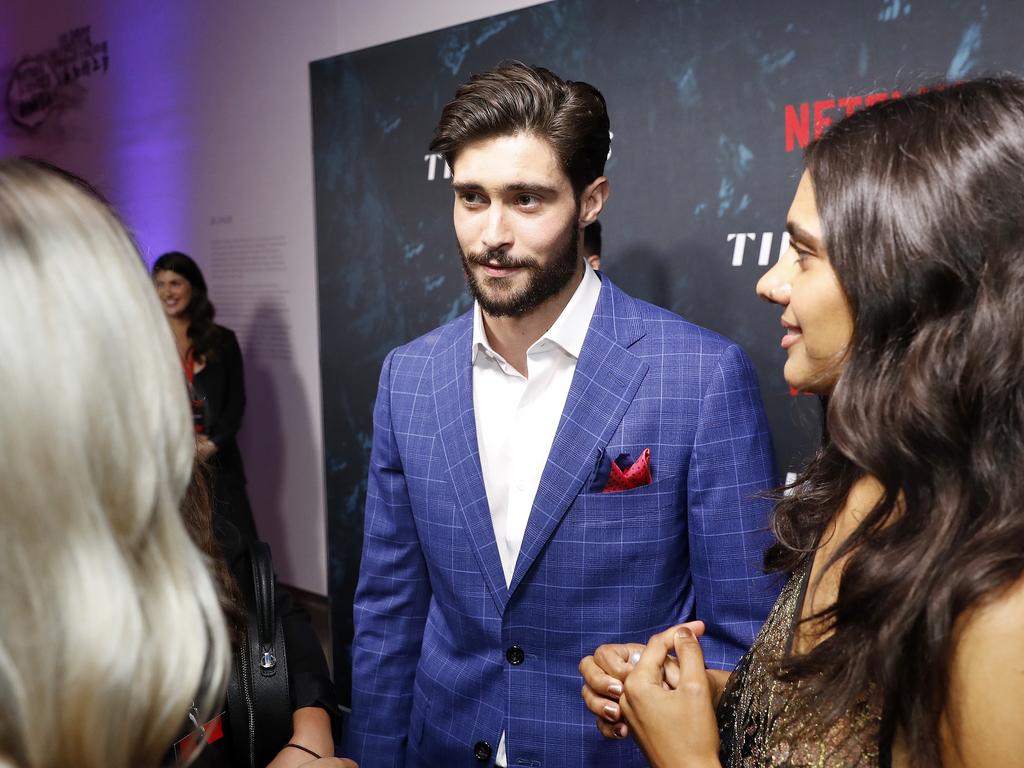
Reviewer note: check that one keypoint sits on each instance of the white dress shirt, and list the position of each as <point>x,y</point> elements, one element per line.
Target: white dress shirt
<point>516,418</point>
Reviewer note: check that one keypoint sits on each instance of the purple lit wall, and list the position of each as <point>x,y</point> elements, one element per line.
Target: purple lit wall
<point>193,119</point>
<point>124,120</point>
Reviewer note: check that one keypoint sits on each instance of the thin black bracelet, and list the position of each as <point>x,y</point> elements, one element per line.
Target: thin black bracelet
<point>304,749</point>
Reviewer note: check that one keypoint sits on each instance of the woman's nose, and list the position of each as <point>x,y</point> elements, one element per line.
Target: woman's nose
<point>775,285</point>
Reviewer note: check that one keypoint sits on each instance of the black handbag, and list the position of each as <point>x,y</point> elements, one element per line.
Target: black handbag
<point>258,697</point>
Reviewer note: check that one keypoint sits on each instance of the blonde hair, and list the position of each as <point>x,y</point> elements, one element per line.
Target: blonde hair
<point>109,622</point>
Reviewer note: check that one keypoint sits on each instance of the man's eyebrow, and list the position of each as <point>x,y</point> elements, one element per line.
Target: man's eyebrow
<point>537,189</point>
<point>796,232</point>
<point>516,188</point>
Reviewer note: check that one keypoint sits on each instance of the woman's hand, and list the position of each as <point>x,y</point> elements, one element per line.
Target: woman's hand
<point>205,447</point>
<point>606,671</point>
<point>296,758</point>
<point>311,727</point>
<point>603,675</point>
<point>674,726</point>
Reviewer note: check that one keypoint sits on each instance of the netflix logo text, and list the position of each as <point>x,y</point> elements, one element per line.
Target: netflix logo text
<point>809,119</point>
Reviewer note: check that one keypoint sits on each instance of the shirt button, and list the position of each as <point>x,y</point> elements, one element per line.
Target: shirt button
<point>482,751</point>
<point>515,655</point>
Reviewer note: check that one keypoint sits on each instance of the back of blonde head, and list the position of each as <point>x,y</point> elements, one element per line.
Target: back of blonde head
<point>109,623</point>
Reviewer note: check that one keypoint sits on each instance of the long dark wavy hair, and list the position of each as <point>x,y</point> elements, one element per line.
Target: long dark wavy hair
<point>197,512</point>
<point>202,331</point>
<point>921,202</point>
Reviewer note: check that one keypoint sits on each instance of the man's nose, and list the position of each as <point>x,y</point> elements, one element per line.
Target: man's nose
<point>497,234</point>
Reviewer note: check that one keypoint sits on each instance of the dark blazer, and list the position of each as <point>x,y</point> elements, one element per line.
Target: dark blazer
<point>222,383</point>
<point>445,657</point>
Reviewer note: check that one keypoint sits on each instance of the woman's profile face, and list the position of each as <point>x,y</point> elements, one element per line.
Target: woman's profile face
<point>816,317</point>
<point>174,291</point>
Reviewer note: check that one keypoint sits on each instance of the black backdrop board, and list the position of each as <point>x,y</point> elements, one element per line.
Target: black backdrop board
<point>710,103</point>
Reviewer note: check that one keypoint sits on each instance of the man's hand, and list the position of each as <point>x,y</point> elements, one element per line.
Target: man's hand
<point>674,726</point>
<point>604,674</point>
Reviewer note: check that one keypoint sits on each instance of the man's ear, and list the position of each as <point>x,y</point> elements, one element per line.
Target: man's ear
<point>592,200</point>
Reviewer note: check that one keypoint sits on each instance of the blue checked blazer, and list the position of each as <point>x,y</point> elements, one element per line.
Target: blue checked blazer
<point>433,678</point>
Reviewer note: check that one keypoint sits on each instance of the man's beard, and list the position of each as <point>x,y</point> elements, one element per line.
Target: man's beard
<point>497,299</point>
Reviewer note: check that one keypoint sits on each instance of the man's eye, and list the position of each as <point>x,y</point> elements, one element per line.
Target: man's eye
<point>471,198</point>
<point>527,201</point>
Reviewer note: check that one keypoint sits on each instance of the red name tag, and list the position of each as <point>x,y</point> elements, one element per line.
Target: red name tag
<point>184,748</point>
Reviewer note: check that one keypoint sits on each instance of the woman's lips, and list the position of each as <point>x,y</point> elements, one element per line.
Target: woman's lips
<point>793,335</point>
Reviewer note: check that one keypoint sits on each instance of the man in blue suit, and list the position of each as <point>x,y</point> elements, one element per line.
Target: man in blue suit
<point>561,467</point>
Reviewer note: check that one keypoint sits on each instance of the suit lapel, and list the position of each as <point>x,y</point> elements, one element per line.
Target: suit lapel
<point>606,380</point>
<point>453,395</point>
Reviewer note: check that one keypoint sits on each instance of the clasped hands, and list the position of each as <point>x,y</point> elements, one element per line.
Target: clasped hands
<point>667,702</point>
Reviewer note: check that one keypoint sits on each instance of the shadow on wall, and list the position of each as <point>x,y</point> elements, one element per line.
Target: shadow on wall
<point>276,429</point>
<point>653,282</point>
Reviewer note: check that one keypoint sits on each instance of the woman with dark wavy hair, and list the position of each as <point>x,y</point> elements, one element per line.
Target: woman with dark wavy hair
<point>212,363</point>
<point>899,640</point>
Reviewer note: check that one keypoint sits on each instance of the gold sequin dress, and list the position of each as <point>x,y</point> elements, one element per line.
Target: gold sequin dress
<point>764,722</point>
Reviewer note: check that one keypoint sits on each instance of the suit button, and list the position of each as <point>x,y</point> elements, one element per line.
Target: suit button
<point>482,751</point>
<point>515,655</point>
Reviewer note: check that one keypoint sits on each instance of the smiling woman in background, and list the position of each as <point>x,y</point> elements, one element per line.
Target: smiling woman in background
<point>110,627</point>
<point>212,363</point>
<point>898,639</point>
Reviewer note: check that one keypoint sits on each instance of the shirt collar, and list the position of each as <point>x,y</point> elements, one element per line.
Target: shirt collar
<point>569,329</point>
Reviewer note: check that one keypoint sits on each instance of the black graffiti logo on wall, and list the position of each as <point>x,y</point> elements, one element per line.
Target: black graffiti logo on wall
<point>44,84</point>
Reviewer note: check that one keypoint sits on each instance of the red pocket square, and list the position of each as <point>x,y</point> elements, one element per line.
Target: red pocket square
<point>632,477</point>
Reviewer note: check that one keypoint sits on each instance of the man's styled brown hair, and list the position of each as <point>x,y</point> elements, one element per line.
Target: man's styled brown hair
<point>517,98</point>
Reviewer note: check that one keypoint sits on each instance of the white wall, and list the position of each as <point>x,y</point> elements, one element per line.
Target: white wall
<point>199,132</point>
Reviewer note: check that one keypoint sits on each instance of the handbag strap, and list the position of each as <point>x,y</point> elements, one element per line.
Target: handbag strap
<point>263,584</point>
<point>267,668</point>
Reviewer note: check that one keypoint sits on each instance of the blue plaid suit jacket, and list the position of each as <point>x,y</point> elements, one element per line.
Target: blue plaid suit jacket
<point>433,616</point>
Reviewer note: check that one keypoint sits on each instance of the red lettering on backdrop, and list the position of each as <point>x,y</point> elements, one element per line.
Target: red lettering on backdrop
<point>820,121</point>
<point>797,127</point>
<point>850,103</point>
<point>797,117</point>
<point>875,98</point>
